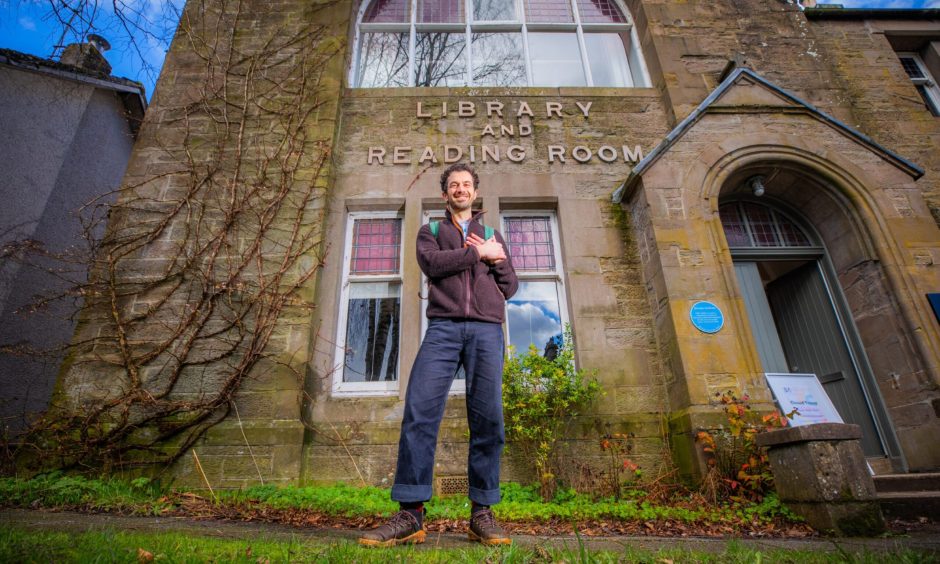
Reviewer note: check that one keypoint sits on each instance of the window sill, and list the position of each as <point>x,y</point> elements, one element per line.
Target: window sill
<point>489,92</point>
<point>375,392</point>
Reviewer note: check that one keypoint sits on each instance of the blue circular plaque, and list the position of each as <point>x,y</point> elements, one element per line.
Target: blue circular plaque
<point>706,317</point>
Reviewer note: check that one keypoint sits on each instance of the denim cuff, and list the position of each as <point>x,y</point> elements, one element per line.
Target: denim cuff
<point>408,493</point>
<point>483,497</point>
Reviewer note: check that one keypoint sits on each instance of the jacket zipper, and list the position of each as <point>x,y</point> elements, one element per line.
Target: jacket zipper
<point>467,308</point>
<point>466,276</point>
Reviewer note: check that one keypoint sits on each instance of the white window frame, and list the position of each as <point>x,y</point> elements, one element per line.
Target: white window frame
<point>363,388</point>
<point>929,82</point>
<point>457,387</point>
<point>638,76</point>
<point>556,275</point>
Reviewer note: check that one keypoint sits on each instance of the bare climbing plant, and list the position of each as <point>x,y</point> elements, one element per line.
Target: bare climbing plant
<point>209,249</point>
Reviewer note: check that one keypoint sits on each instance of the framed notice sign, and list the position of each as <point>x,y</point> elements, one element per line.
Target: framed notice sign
<point>805,394</point>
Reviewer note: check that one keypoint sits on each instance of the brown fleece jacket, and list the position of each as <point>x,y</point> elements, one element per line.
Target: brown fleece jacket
<point>462,286</point>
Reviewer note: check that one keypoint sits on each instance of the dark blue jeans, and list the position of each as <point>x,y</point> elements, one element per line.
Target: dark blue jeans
<point>477,345</point>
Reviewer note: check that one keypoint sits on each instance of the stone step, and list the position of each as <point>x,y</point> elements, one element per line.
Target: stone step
<point>910,505</point>
<point>908,482</point>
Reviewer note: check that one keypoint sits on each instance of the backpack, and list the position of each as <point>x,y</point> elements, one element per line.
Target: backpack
<point>435,226</point>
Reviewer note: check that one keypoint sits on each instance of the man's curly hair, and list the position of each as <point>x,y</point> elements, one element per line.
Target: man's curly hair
<point>459,167</point>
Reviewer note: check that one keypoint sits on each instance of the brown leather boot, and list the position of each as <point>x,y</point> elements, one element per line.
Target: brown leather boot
<point>402,528</point>
<point>483,528</point>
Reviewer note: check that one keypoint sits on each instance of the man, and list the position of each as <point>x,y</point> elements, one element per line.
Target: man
<point>470,277</point>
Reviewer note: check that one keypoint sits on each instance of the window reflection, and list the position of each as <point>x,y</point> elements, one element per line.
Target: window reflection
<point>498,59</point>
<point>383,60</point>
<point>607,56</point>
<point>372,329</point>
<point>440,59</point>
<point>429,47</point>
<point>494,11</point>
<point>556,59</point>
<point>534,318</point>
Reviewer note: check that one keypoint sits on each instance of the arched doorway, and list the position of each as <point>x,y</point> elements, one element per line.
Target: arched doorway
<point>797,312</point>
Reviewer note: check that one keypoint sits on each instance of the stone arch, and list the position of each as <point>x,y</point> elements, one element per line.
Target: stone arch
<point>845,206</point>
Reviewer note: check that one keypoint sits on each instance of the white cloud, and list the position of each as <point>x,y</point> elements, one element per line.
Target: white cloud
<point>27,23</point>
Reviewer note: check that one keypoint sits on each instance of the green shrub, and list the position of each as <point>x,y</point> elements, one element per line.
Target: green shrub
<point>540,398</point>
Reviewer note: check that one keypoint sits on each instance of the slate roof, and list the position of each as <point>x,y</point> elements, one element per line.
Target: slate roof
<point>131,92</point>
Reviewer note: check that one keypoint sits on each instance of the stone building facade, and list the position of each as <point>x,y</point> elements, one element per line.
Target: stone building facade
<point>779,163</point>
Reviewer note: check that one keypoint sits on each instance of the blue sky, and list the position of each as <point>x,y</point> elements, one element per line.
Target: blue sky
<point>28,26</point>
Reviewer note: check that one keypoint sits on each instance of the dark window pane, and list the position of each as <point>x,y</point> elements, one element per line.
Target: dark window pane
<point>372,327</point>
<point>494,11</point>
<point>534,318</point>
<point>912,68</point>
<point>607,56</point>
<point>498,59</point>
<point>599,11</point>
<point>762,226</point>
<point>383,60</point>
<point>731,221</point>
<point>530,243</point>
<point>556,59</point>
<point>376,246</point>
<point>388,11</point>
<point>440,59</point>
<point>440,11</point>
<point>792,235</point>
<point>548,11</point>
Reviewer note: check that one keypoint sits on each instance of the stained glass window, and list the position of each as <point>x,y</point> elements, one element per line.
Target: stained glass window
<point>530,243</point>
<point>388,11</point>
<point>548,11</point>
<point>749,224</point>
<point>441,11</point>
<point>376,246</point>
<point>599,11</point>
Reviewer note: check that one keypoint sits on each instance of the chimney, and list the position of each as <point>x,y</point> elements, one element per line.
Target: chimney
<point>89,55</point>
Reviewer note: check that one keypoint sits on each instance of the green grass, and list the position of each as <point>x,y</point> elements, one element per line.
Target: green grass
<point>520,503</point>
<point>60,490</point>
<point>17,545</point>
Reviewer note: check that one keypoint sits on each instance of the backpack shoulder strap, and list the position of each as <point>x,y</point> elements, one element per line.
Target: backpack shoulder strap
<point>435,227</point>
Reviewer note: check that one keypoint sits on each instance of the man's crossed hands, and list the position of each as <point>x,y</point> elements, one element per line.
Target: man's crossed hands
<point>490,250</point>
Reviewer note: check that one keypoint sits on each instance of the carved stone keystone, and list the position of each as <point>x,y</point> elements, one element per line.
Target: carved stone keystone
<point>820,474</point>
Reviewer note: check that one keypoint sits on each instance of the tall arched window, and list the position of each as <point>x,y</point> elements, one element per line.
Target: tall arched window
<point>496,43</point>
